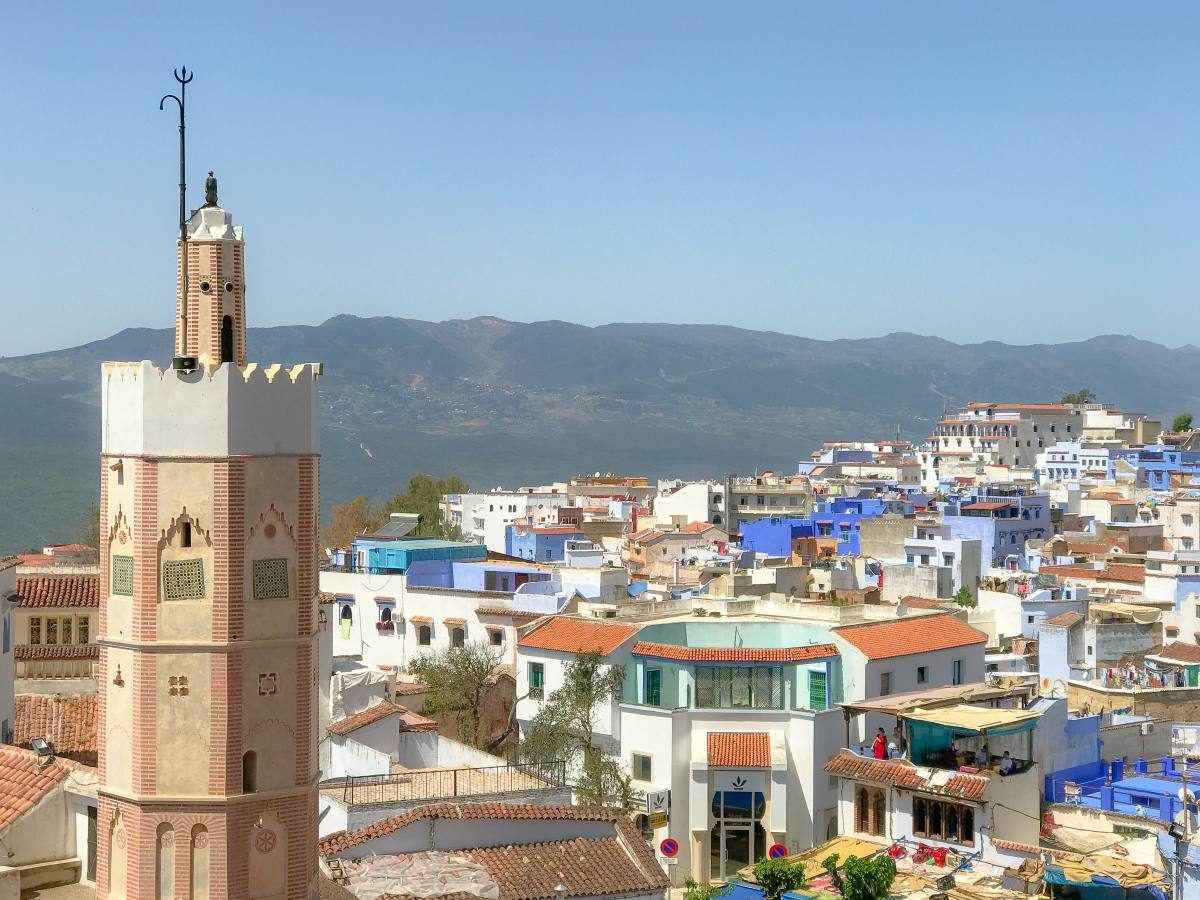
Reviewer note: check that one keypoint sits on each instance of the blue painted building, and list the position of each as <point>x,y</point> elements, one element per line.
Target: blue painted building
<point>544,544</point>
<point>390,556</point>
<point>1156,461</point>
<point>837,518</point>
<point>1000,518</point>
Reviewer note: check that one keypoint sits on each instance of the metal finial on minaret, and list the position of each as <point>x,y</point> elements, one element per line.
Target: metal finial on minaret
<point>183,76</point>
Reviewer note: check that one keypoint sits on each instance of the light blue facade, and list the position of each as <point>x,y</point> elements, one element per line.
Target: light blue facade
<point>654,679</point>
<point>1001,519</point>
<point>539,544</point>
<point>1156,461</point>
<point>383,556</point>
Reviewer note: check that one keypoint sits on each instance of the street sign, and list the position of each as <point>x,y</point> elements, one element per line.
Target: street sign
<point>777,851</point>
<point>658,820</point>
<point>658,801</point>
<point>669,847</point>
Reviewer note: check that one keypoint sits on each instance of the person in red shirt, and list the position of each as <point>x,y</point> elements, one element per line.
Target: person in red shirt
<point>879,747</point>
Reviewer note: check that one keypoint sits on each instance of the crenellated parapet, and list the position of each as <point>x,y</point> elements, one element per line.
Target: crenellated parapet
<point>216,410</point>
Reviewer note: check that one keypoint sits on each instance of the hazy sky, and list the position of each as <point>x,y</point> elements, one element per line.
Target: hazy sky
<point>1015,171</point>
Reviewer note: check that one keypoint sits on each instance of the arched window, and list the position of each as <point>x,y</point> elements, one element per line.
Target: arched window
<point>346,621</point>
<point>385,614</point>
<point>199,863</point>
<point>424,635</point>
<point>249,772</point>
<point>164,863</point>
<point>458,636</point>
<point>227,340</point>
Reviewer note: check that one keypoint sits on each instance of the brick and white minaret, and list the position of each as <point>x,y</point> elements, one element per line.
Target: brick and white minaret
<point>208,686</point>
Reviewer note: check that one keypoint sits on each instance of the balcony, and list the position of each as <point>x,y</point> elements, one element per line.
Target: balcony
<point>57,660</point>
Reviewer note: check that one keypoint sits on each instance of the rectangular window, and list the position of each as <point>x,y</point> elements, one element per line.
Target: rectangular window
<point>816,690</point>
<point>922,674</point>
<point>35,630</point>
<point>84,629</point>
<point>885,683</point>
<point>549,551</point>
<point>122,575</point>
<point>183,579</point>
<point>537,681</point>
<point>654,687</point>
<point>52,631</point>
<point>941,821</point>
<point>7,633</point>
<point>739,687</point>
<point>66,630</point>
<point>270,578</point>
<point>641,767</point>
<point>956,678</point>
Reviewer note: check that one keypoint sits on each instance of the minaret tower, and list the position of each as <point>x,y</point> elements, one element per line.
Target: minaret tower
<point>209,511</point>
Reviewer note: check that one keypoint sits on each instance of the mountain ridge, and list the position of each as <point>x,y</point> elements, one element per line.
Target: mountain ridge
<point>499,401</point>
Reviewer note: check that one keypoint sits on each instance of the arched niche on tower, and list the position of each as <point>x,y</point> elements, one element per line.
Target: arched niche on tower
<point>185,579</point>
<point>270,578</point>
<point>267,849</point>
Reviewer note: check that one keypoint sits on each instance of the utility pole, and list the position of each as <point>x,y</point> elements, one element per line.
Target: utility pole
<point>184,77</point>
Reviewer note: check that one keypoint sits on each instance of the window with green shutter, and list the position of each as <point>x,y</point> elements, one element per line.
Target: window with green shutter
<point>816,690</point>
<point>654,687</point>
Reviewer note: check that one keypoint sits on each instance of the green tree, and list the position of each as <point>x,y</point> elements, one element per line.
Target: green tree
<point>963,597</point>
<point>348,520</point>
<point>778,876</point>
<point>1080,397</point>
<point>88,531</point>
<point>424,497</point>
<point>458,679</point>
<point>564,729</point>
<point>1182,422</point>
<point>862,879</point>
<point>693,890</point>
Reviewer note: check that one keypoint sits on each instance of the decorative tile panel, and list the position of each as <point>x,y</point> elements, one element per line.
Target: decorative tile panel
<point>122,575</point>
<point>183,579</point>
<point>266,684</point>
<point>271,579</point>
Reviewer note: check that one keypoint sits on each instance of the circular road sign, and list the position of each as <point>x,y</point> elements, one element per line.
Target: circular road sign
<point>777,851</point>
<point>669,847</point>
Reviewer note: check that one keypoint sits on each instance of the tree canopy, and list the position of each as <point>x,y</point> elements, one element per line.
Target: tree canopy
<point>862,879</point>
<point>458,679</point>
<point>423,497</point>
<point>1182,422</point>
<point>1080,397</point>
<point>778,876</point>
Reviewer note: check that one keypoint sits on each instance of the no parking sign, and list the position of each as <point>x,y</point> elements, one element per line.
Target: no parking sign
<point>777,851</point>
<point>669,847</point>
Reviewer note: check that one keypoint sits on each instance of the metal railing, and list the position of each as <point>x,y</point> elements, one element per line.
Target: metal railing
<point>423,785</point>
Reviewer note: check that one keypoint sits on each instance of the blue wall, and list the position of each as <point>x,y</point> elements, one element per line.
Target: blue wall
<point>839,517</point>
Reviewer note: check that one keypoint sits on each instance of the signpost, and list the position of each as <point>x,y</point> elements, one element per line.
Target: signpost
<point>777,851</point>
<point>669,847</point>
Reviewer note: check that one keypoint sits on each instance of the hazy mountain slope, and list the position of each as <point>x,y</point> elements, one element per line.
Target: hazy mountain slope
<point>509,402</point>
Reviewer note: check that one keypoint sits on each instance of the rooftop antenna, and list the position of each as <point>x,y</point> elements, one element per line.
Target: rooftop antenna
<point>182,362</point>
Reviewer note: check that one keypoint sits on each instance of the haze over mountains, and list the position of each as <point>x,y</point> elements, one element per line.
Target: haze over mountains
<point>500,402</point>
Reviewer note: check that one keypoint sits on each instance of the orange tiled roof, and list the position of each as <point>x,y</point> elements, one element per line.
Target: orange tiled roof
<point>507,613</point>
<point>22,786</point>
<point>8,562</point>
<point>735,654</point>
<point>56,651</point>
<point>902,637</point>
<point>454,620</point>
<point>903,774</point>
<point>739,749</point>
<point>381,710</point>
<point>1111,572</point>
<point>1189,653</point>
<point>921,602</point>
<point>567,635</point>
<point>68,723</point>
<point>1065,620</point>
<point>343,840</point>
<point>59,591</point>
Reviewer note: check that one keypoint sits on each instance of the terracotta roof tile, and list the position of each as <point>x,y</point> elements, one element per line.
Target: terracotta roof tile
<point>454,620</point>
<point>903,637</point>
<point>56,651</point>
<point>410,687</point>
<point>8,562</point>
<point>68,723</point>
<point>508,613</point>
<point>22,785</point>
<point>735,654</point>
<point>1189,653</point>
<point>1065,620</point>
<point>739,748</point>
<point>59,591</point>
<point>902,773</point>
<point>921,602</point>
<point>1111,572</point>
<point>341,841</point>
<point>381,710</point>
<point>568,635</point>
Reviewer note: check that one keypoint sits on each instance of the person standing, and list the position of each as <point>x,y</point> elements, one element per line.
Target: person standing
<point>879,747</point>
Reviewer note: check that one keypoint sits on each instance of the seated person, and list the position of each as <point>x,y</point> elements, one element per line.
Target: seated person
<point>1007,763</point>
<point>982,757</point>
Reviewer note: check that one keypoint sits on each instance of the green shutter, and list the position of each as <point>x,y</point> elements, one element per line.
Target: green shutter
<point>816,690</point>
